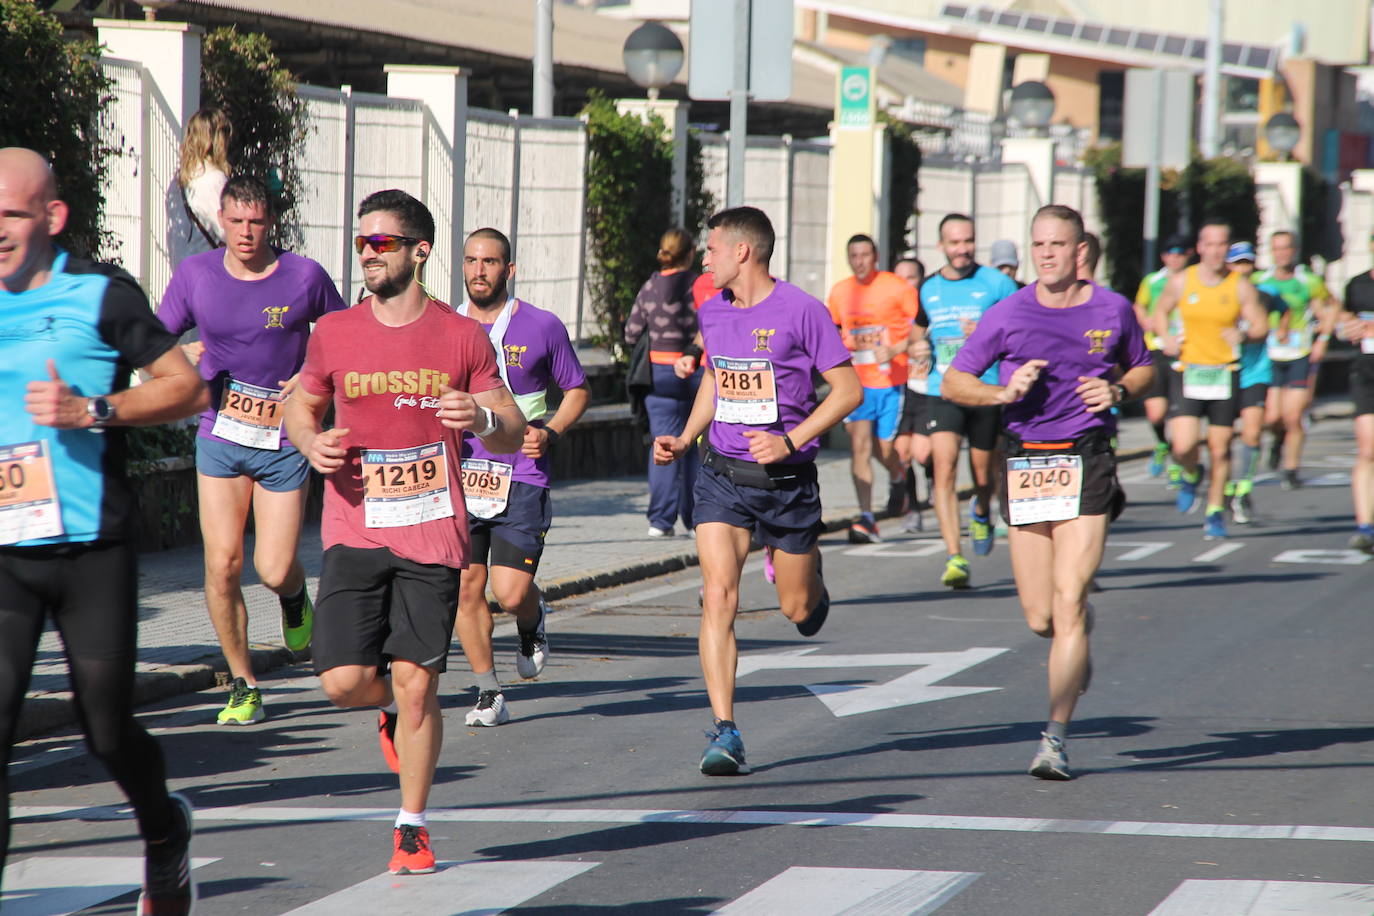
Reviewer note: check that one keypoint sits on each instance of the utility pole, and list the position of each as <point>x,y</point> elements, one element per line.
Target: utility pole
<point>739,107</point>
<point>542,106</point>
<point>1210,135</point>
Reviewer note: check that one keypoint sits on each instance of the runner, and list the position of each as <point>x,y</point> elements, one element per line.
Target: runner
<point>1357,326</point>
<point>67,520</point>
<point>1255,372</point>
<point>1178,251</point>
<point>1002,256</point>
<point>507,496</point>
<point>1059,343</point>
<point>254,305</point>
<point>1297,343</point>
<point>874,310</point>
<point>953,300</point>
<point>406,377</point>
<point>912,442</point>
<point>764,338</point>
<point>1217,310</point>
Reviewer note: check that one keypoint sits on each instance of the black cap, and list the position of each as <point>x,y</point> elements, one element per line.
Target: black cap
<point>1179,241</point>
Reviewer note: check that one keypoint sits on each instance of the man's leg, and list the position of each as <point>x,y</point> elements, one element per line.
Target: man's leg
<point>984,473</point>
<point>944,452</point>
<point>419,730</point>
<point>1184,434</point>
<point>1078,546</point>
<point>798,582</point>
<point>21,625</point>
<point>224,503</point>
<point>1219,446</point>
<point>1293,408</point>
<point>1362,479</point>
<point>474,623</point>
<point>723,549</point>
<point>860,461</point>
<point>276,536</point>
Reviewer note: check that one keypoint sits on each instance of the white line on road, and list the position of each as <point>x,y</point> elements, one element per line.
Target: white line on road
<point>894,549</point>
<point>457,887</point>
<point>41,886</point>
<point>1336,557</point>
<point>1261,898</point>
<point>1142,549</point>
<point>1216,553</point>
<point>760,818</point>
<point>832,891</point>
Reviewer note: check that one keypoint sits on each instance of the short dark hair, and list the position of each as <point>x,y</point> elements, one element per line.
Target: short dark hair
<point>1214,221</point>
<point>910,259</point>
<point>1094,251</point>
<point>856,239</point>
<point>953,218</point>
<point>246,189</point>
<point>416,220</point>
<point>1292,236</point>
<point>750,222</point>
<point>1067,214</point>
<point>486,232</point>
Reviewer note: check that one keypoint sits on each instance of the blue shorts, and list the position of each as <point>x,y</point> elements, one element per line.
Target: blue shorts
<point>1291,373</point>
<point>280,471</point>
<point>515,538</point>
<point>788,518</point>
<point>883,407</point>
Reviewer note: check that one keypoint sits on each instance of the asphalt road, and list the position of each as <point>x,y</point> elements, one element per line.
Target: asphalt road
<point>1223,753</point>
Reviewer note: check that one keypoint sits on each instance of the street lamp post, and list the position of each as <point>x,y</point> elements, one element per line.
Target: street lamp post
<point>1032,106</point>
<point>653,56</point>
<point>1283,133</point>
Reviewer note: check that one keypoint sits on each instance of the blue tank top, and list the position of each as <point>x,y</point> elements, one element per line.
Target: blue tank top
<point>948,303</point>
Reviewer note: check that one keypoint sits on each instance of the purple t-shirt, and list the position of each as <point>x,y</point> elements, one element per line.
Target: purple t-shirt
<point>789,333</point>
<point>537,351</point>
<point>1092,340</point>
<point>254,331</point>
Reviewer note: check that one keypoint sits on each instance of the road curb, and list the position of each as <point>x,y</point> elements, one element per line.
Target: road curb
<point>50,711</point>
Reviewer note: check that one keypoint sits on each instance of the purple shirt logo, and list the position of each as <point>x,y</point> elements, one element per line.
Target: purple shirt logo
<point>274,313</point>
<point>761,336</point>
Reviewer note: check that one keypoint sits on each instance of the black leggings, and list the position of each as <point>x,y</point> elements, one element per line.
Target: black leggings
<point>91,591</point>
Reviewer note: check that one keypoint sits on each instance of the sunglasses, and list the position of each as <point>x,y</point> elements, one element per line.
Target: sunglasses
<point>383,243</point>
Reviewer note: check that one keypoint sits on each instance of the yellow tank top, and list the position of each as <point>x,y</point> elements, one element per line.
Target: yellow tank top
<point>1205,312</point>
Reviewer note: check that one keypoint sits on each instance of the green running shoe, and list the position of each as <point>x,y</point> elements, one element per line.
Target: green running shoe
<point>956,572</point>
<point>244,707</point>
<point>297,624</point>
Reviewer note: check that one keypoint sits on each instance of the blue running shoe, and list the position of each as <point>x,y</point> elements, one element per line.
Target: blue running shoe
<point>980,533</point>
<point>1215,527</point>
<point>1159,459</point>
<point>1187,492</point>
<point>724,756</point>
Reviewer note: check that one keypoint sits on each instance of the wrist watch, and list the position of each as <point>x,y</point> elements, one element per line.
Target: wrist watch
<point>1120,391</point>
<point>100,410</point>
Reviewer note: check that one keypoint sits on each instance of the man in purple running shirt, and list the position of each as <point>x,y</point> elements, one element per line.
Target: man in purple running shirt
<point>1070,351</point>
<point>254,306</point>
<point>762,338</point>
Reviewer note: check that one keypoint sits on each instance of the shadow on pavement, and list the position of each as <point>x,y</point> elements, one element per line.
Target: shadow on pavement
<point>1244,745</point>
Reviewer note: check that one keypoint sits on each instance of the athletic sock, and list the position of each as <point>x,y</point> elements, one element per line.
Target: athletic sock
<point>1160,435</point>
<point>868,517</point>
<point>911,486</point>
<point>487,681</point>
<point>411,818</point>
<point>1213,508</point>
<point>1249,460</point>
<point>1194,477</point>
<point>292,604</point>
<point>1058,730</point>
<point>1244,486</point>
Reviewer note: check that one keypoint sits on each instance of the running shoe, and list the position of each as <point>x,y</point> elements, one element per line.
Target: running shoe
<point>297,623</point>
<point>386,737</point>
<point>1187,491</point>
<point>956,572</point>
<point>169,887</point>
<point>1215,526</point>
<point>412,854</point>
<point>534,646</point>
<point>896,497</point>
<point>660,532</point>
<point>769,572</point>
<point>913,522</point>
<point>1051,760</point>
<point>724,756</point>
<point>244,706</point>
<point>864,531</point>
<point>1363,539</point>
<point>1160,459</point>
<point>816,619</point>
<point>980,532</point>
<point>490,710</point>
<point>1242,512</point>
<point>1289,479</point>
<point>1174,474</point>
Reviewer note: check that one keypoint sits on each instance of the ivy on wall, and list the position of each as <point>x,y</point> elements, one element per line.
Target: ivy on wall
<point>903,186</point>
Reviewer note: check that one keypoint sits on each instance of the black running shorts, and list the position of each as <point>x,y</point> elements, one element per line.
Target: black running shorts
<point>1102,494</point>
<point>979,425</point>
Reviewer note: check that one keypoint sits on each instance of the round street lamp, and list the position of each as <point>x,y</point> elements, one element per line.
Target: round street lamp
<point>1283,133</point>
<point>653,56</point>
<point>1032,105</point>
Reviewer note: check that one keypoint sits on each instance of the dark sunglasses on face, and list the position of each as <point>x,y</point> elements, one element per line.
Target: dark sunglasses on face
<point>383,243</point>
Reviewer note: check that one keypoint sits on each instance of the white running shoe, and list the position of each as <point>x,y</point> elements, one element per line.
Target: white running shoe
<point>913,522</point>
<point>534,646</point>
<point>490,710</point>
<point>1051,760</point>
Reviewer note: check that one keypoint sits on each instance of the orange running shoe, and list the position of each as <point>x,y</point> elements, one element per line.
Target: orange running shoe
<point>413,855</point>
<point>386,737</point>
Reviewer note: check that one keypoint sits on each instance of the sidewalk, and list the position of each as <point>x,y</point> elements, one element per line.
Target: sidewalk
<point>597,540</point>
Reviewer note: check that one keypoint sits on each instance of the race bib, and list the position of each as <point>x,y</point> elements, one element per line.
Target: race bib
<point>486,487</point>
<point>1207,383</point>
<point>405,486</point>
<point>250,415</point>
<point>1367,342</point>
<point>1044,488</point>
<point>946,348</point>
<point>1295,345</point>
<point>746,391</point>
<point>28,496</point>
<point>864,341</point>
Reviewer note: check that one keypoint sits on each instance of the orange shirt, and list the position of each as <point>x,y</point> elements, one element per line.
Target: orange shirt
<point>876,313</point>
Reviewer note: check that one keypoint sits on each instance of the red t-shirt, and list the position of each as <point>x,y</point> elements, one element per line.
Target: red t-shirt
<point>703,288</point>
<point>385,383</point>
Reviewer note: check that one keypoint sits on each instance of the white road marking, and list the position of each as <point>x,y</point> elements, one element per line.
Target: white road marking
<point>42,885</point>
<point>457,887</point>
<point>1335,557</point>
<point>759,818</point>
<point>891,550</point>
<point>1267,898</point>
<point>832,891</point>
<point>1216,553</point>
<point>1143,549</point>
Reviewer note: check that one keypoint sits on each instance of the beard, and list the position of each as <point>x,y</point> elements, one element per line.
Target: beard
<point>496,294</point>
<point>389,285</point>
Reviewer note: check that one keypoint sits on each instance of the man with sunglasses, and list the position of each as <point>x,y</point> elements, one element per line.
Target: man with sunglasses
<point>507,496</point>
<point>254,305</point>
<point>407,377</point>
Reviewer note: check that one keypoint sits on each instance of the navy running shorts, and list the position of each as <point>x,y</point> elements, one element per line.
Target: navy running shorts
<point>515,538</point>
<point>787,517</point>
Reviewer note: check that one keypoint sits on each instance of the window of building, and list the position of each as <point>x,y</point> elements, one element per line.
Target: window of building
<point>1111,98</point>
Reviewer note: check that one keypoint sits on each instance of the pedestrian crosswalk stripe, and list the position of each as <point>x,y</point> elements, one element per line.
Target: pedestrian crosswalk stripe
<point>456,887</point>
<point>1216,553</point>
<point>830,891</point>
<point>1263,898</point>
<point>273,814</point>
<point>44,885</point>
